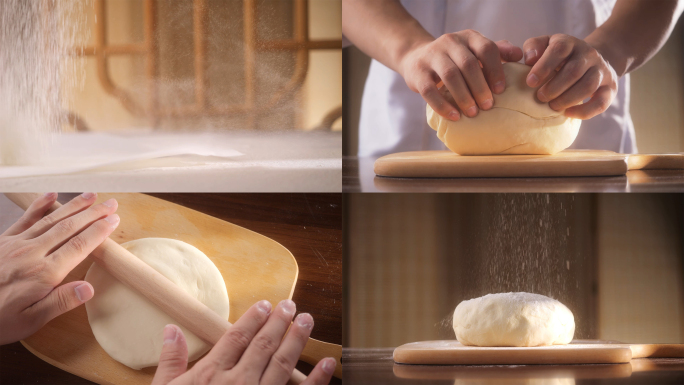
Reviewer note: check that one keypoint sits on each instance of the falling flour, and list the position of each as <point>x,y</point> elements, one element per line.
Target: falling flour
<point>37,37</point>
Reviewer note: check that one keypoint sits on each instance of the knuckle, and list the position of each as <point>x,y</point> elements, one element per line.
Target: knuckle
<point>48,220</point>
<point>66,226</point>
<point>559,47</point>
<point>265,342</point>
<point>424,88</point>
<point>282,362</point>
<point>451,73</point>
<point>63,301</point>
<point>575,70</point>
<point>78,244</point>
<point>238,338</point>
<point>469,64</point>
<point>489,49</point>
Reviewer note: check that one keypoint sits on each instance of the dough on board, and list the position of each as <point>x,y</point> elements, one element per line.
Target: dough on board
<point>130,328</point>
<point>513,319</point>
<point>517,124</point>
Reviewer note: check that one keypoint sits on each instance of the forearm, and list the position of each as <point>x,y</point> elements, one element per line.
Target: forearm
<point>635,31</point>
<point>382,29</point>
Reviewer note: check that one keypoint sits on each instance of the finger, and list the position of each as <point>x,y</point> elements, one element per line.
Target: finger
<point>472,73</point>
<point>60,300</point>
<point>571,72</point>
<point>533,48</point>
<point>322,373</point>
<point>559,49</point>
<point>267,341</point>
<point>428,90</point>
<point>74,206</point>
<point>487,52</point>
<point>173,360</point>
<point>283,361</point>
<point>33,214</point>
<point>69,227</point>
<point>454,82</point>
<point>584,88</point>
<point>77,248</point>
<point>508,51</point>
<point>233,344</point>
<point>598,103</point>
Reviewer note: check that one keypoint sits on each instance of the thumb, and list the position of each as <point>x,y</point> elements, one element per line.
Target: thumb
<point>174,356</point>
<point>508,51</point>
<point>62,299</point>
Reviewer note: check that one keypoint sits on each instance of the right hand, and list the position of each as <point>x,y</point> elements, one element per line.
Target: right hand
<point>455,58</point>
<point>257,349</point>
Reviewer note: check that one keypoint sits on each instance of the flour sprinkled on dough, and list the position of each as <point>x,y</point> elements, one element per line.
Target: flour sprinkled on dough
<point>513,319</point>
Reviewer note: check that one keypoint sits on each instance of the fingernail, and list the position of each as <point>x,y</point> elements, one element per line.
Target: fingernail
<point>487,104</point>
<point>109,202</point>
<point>472,111</point>
<point>88,195</point>
<point>305,320</point>
<point>170,334</point>
<point>50,195</point>
<point>288,306</point>
<point>499,87</point>
<point>329,365</point>
<point>264,307</point>
<point>112,219</point>
<point>454,115</point>
<point>530,54</point>
<point>532,80</point>
<point>84,292</point>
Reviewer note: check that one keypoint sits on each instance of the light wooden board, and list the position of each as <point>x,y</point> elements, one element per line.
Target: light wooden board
<point>253,266</point>
<point>446,164</point>
<point>452,352</point>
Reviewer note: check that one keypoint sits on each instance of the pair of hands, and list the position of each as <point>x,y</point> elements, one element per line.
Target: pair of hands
<point>38,251</point>
<point>568,70</point>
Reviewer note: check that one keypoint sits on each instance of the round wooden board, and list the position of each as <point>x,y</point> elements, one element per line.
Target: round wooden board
<point>253,266</point>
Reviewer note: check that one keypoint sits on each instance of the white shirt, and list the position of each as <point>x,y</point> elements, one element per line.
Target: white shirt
<point>393,117</point>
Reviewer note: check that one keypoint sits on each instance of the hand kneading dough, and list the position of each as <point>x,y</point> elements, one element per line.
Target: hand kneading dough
<point>130,328</point>
<point>513,319</point>
<point>517,124</point>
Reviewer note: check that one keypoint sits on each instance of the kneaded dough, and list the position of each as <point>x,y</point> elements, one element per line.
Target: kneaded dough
<point>130,328</point>
<point>513,319</point>
<point>517,124</point>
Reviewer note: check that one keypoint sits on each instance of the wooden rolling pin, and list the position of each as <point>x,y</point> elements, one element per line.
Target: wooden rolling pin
<point>172,300</point>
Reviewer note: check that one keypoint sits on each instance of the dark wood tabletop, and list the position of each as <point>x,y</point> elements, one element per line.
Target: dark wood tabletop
<point>358,176</point>
<point>376,366</point>
<point>309,225</point>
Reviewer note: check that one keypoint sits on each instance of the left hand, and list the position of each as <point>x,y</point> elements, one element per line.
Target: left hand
<point>582,73</point>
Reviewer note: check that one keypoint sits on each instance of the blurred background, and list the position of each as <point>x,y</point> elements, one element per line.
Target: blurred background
<point>657,97</point>
<point>209,64</point>
<point>616,260</point>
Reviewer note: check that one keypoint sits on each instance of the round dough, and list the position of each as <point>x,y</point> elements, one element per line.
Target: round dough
<point>513,319</point>
<point>130,328</point>
<point>517,124</point>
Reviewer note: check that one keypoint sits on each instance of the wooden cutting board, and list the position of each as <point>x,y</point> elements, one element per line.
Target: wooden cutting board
<point>446,164</point>
<point>253,266</point>
<point>452,352</point>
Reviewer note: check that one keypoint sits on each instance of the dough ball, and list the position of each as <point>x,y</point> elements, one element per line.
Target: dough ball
<point>513,319</point>
<point>130,328</point>
<point>517,124</point>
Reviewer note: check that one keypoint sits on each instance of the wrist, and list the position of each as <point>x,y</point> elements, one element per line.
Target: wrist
<point>610,50</point>
<point>409,44</point>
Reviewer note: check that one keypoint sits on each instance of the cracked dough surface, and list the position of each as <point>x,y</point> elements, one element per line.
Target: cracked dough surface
<point>517,124</point>
<point>513,319</point>
<point>127,326</point>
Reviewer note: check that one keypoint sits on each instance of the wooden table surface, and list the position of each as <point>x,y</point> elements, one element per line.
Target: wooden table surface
<point>358,176</point>
<point>375,366</point>
<point>309,225</point>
